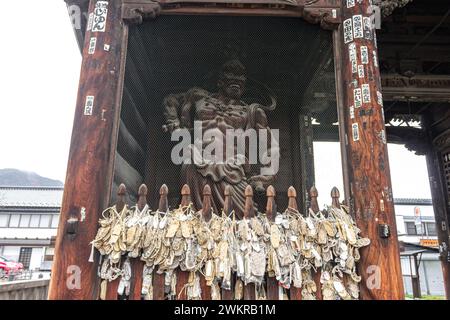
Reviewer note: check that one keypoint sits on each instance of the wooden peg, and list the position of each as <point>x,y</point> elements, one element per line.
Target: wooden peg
<point>271,211</point>
<point>228,202</point>
<point>313,194</point>
<point>292,196</point>
<point>296,293</point>
<point>335,194</point>
<point>158,279</point>
<point>183,276</point>
<point>227,209</point>
<point>111,291</point>
<point>249,209</point>
<point>163,203</point>
<point>206,205</point>
<point>271,207</point>
<point>121,193</point>
<point>142,201</point>
<point>136,264</point>
<point>185,195</point>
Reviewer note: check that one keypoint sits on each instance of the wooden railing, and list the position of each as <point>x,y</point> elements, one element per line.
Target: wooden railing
<point>272,287</point>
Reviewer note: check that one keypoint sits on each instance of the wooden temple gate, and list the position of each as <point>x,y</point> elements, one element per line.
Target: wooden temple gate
<point>96,125</point>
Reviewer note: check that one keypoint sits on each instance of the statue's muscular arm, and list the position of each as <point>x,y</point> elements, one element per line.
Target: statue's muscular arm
<point>178,108</point>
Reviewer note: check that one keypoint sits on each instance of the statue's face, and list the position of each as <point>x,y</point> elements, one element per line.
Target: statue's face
<point>232,85</point>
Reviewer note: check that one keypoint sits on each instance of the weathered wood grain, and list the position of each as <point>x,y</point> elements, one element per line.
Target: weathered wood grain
<point>91,159</point>
<point>371,197</point>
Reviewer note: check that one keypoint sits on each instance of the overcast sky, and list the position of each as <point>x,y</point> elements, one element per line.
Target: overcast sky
<point>39,71</point>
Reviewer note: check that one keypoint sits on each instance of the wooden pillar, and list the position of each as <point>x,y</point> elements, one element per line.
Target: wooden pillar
<point>441,206</point>
<point>367,164</point>
<point>91,158</point>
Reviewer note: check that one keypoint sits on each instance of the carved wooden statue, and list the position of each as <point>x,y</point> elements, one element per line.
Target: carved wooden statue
<point>216,113</point>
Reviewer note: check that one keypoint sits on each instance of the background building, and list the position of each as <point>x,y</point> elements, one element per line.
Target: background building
<point>418,237</point>
<point>28,220</point>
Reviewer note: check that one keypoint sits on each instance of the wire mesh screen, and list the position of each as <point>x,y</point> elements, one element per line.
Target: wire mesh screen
<point>284,58</point>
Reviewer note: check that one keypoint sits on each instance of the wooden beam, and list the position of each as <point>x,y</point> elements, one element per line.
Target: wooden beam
<point>126,174</point>
<point>91,158</point>
<point>130,149</point>
<point>371,197</point>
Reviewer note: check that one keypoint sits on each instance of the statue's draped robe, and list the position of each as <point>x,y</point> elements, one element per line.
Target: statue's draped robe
<point>200,105</point>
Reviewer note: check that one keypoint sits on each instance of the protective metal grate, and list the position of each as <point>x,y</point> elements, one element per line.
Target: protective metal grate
<point>174,53</point>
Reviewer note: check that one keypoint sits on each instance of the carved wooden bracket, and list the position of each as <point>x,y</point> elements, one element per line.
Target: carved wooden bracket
<point>328,18</point>
<point>135,11</point>
<point>324,12</point>
<point>442,141</point>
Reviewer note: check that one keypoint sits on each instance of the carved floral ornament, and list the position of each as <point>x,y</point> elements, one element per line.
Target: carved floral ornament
<point>388,6</point>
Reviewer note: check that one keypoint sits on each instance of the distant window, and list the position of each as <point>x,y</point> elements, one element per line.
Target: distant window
<point>34,221</point>
<point>411,229</point>
<point>45,221</point>
<point>55,220</point>
<point>14,220</point>
<point>25,220</point>
<point>4,220</point>
<point>431,229</point>
<point>25,257</point>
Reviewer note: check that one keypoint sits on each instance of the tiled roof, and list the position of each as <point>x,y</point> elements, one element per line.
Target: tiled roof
<point>412,201</point>
<point>31,196</point>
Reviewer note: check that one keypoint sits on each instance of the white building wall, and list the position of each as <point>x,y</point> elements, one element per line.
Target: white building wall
<point>37,256</point>
<point>430,276</point>
<point>11,252</point>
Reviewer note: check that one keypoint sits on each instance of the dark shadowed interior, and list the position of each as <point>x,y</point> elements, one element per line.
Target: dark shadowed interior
<point>174,53</point>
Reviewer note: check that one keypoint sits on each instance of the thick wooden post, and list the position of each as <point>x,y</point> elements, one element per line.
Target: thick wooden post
<point>371,197</point>
<point>91,157</point>
<point>440,214</point>
<point>439,194</point>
